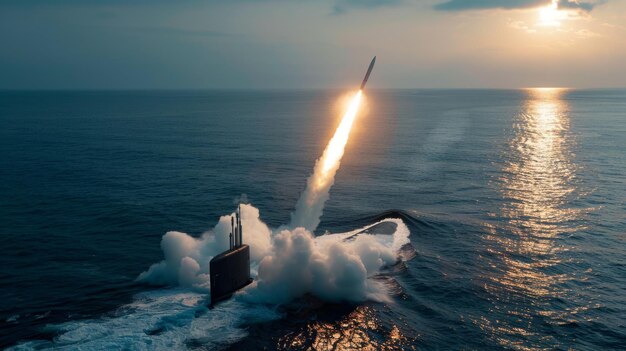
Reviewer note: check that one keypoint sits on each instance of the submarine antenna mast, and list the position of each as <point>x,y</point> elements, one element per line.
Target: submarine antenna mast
<point>232,232</point>
<point>240,227</point>
<point>236,238</point>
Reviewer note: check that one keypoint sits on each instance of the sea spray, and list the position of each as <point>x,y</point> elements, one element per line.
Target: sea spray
<point>285,263</point>
<point>186,258</point>
<point>334,269</point>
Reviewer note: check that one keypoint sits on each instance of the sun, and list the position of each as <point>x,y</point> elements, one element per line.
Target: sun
<point>550,16</point>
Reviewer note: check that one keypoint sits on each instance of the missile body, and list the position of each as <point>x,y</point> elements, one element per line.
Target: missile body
<point>367,75</point>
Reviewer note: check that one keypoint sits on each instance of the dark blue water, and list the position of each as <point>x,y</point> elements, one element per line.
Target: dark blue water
<point>516,202</point>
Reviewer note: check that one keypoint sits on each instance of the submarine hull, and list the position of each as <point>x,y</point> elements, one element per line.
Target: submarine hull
<point>230,271</point>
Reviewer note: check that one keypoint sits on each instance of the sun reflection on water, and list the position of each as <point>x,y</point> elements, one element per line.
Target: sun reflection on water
<point>538,182</point>
<point>359,330</point>
<point>539,172</point>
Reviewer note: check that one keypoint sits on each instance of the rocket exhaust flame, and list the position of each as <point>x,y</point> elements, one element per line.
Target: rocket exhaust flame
<point>311,203</point>
<point>334,151</point>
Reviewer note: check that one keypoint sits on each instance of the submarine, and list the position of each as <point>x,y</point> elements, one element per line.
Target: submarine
<point>230,270</point>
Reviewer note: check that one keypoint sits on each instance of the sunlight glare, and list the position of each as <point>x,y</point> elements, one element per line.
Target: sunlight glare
<point>550,16</point>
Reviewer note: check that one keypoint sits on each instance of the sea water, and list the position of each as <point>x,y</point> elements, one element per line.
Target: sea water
<point>515,201</point>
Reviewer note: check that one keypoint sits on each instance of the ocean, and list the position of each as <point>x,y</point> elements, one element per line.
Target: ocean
<point>515,201</point>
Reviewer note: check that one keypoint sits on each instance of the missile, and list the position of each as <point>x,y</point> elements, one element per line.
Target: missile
<point>367,75</point>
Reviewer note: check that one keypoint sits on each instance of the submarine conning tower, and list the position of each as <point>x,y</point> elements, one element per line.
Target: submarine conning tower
<point>230,270</point>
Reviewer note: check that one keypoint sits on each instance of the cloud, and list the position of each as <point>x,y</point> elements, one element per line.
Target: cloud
<point>342,6</point>
<point>463,5</point>
<point>575,5</point>
<point>466,5</point>
<point>368,3</point>
<point>521,25</point>
<point>181,31</point>
<point>585,34</point>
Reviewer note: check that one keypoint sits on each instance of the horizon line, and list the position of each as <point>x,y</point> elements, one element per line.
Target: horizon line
<point>298,89</point>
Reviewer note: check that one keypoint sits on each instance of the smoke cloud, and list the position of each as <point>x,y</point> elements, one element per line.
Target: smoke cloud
<point>310,206</point>
<point>287,263</point>
<point>331,269</point>
<point>187,258</point>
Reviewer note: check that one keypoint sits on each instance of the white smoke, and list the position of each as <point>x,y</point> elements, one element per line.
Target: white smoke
<point>287,263</point>
<point>187,258</point>
<point>310,206</point>
<point>332,268</point>
<point>311,203</point>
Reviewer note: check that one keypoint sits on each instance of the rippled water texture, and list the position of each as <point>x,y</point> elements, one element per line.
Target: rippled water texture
<point>538,181</point>
<point>515,201</point>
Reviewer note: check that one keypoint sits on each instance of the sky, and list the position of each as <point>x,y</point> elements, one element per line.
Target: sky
<point>311,44</point>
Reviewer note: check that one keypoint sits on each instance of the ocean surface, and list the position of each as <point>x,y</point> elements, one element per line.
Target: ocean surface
<point>515,201</point>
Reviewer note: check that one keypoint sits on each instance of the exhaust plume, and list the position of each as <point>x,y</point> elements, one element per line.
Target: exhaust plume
<point>311,203</point>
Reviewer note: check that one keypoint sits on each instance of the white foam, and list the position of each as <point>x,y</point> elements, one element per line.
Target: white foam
<point>177,318</point>
<point>164,319</point>
<point>186,258</point>
<point>394,241</point>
